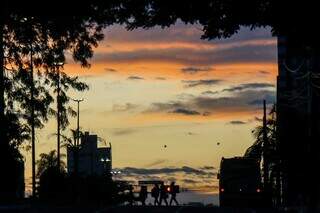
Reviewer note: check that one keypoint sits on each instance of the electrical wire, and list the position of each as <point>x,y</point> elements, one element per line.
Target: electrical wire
<point>293,70</point>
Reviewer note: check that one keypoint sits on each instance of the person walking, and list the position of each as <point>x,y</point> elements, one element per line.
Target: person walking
<point>163,194</point>
<point>173,192</point>
<point>155,191</point>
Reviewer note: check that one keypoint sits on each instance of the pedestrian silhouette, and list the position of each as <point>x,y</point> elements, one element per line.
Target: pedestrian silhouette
<point>163,194</point>
<point>155,191</point>
<point>173,191</point>
<point>143,195</point>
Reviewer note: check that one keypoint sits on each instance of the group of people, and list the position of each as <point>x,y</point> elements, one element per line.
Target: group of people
<point>159,194</point>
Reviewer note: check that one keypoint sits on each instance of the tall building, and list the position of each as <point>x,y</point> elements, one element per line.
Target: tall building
<point>92,160</point>
<point>298,114</point>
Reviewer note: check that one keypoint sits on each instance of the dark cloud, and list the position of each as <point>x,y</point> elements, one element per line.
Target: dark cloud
<point>185,96</point>
<point>124,108</point>
<point>245,46</point>
<point>207,168</point>
<point>182,33</point>
<point>206,113</point>
<point>165,107</point>
<point>236,122</point>
<point>176,107</point>
<point>156,162</point>
<point>264,72</point>
<point>201,82</point>
<point>251,53</point>
<point>166,171</point>
<point>110,70</point>
<point>246,100</point>
<point>269,98</point>
<point>209,92</point>
<point>160,78</point>
<point>185,111</point>
<point>134,77</point>
<point>123,131</point>
<point>248,86</point>
<point>190,181</point>
<point>194,70</point>
<point>240,88</point>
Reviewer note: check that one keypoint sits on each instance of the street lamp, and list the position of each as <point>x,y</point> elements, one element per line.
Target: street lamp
<point>78,121</point>
<point>57,66</point>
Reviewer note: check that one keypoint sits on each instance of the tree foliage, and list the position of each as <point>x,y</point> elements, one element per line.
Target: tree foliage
<point>256,149</point>
<point>48,32</point>
<point>223,18</point>
<point>66,83</point>
<point>49,162</point>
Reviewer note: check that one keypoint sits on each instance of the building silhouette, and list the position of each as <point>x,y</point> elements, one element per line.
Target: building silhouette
<point>93,160</point>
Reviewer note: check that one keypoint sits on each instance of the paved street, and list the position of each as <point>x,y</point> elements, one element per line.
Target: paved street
<point>181,209</point>
<point>128,209</point>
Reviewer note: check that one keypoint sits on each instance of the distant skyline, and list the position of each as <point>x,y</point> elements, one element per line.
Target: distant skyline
<point>150,88</point>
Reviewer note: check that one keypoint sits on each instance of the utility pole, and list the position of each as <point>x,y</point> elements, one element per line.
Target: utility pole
<point>78,121</point>
<point>57,66</point>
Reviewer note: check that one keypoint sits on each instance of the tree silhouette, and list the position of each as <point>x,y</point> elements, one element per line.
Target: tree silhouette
<point>255,150</point>
<point>274,161</point>
<point>33,103</point>
<point>51,176</point>
<point>49,162</point>
<point>71,143</point>
<point>52,35</point>
<point>61,84</point>
<point>222,19</point>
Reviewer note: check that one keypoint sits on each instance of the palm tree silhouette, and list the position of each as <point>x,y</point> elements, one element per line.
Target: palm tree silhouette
<point>274,162</point>
<point>71,143</point>
<point>49,161</point>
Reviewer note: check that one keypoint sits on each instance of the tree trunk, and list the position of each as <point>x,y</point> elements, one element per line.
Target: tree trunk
<point>58,117</point>
<point>3,129</point>
<point>33,145</point>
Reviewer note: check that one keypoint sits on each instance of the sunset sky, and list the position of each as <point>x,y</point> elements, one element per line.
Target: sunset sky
<point>150,88</point>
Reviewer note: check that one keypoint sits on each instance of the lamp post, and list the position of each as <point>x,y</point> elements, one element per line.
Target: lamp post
<point>57,66</point>
<point>78,121</point>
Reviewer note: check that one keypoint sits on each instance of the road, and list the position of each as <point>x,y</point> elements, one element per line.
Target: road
<point>181,209</point>
<point>128,209</point>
